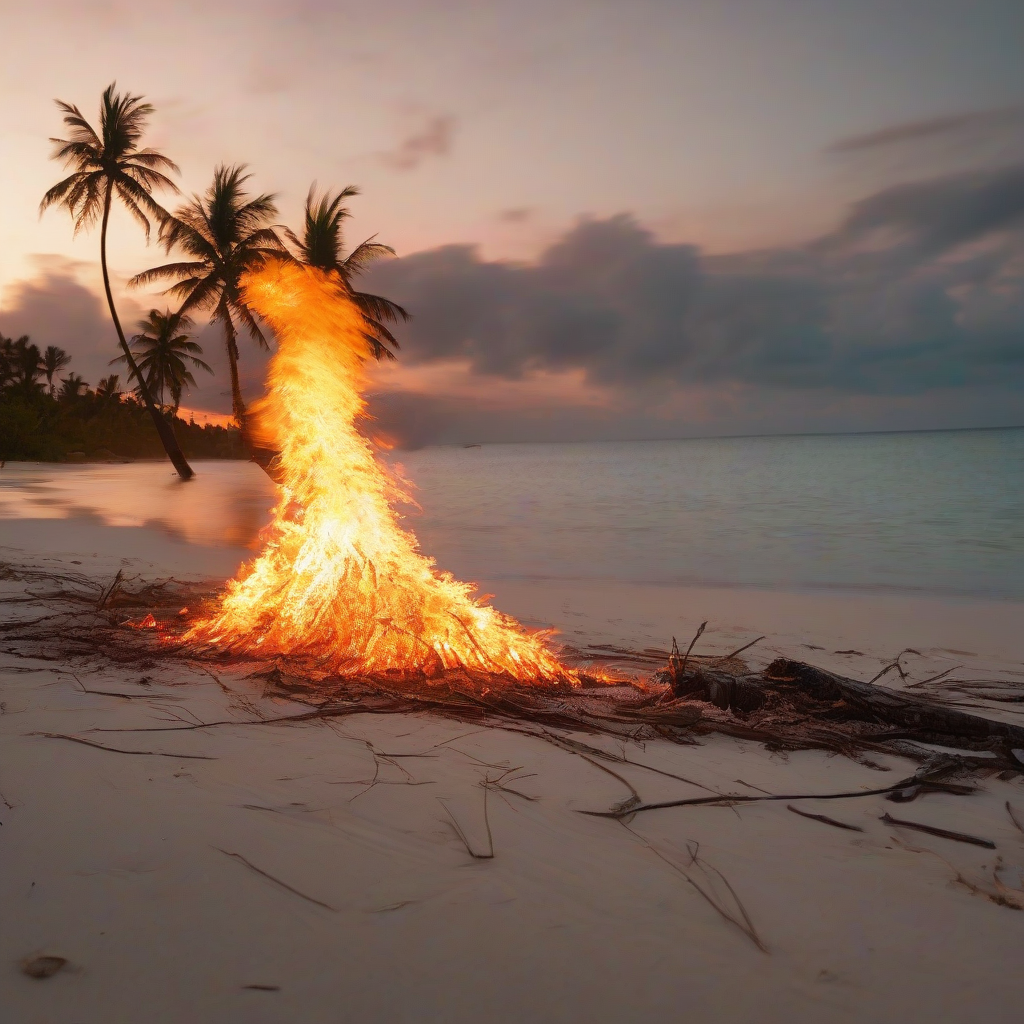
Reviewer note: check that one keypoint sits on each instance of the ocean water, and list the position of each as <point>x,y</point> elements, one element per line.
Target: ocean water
<point>939,512</point>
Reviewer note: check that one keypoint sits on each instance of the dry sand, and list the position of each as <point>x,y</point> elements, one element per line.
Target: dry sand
<point>254,873</point>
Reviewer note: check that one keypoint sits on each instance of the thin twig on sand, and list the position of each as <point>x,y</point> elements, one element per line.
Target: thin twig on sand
<point>739,650</point>
<point>462,835</point>
<point>120,750</point>
<point>108,593</point>
<point>276,881</point>
<point>674,662</point>
<point>1004,896</point>
<point>895,664</point>
<point>623,808</point>
<point>742,799</point>
<point>498,784</point>
<point>736,915</point>
<point>933,679</point>
<point>824,818</point>
<point>943,833</point>
<point>123,696</point>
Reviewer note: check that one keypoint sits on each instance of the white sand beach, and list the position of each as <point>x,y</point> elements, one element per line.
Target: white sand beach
<point>314,872</point>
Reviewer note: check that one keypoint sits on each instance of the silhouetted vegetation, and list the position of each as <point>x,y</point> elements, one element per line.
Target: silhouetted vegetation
<point>165,350</point>
<point>72,423</point>
<point>88,427</point>
<point>49,415</point>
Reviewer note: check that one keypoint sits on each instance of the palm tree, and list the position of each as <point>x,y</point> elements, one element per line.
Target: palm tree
<point>21,364</point>
<point>109,388</point>
<point>72,387</point>
<point>106,164</point>
<point>322,246</point>
<point>165,349</point>
<point>226,233</point>
<point>54,360</point>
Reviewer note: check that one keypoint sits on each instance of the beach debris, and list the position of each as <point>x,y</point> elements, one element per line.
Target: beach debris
<point>895,664</point>
<point>740,650</point>
<point>42,967</point>
<point>928,785</point>
<point>787,706</point>
<point>120,750</point>
<point>500,783</point>
<point>710,883</point>
<point>824,818</point>
<point>677,666</point>
<point>741,798</point>
<point>277,881</point>
<point>944,833</point>
<point>462,835</point>
<point>262,988</point>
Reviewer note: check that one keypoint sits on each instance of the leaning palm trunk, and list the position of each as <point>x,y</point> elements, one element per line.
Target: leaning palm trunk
<point>163,428</point>
<point>231,344</point>
<point>262,456</point>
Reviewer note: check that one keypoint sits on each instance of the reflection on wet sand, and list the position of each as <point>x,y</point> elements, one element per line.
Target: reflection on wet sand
<point>227,503</point>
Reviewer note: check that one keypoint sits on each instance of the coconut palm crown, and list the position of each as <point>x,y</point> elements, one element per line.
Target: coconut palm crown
<point>105,164</point>
<point>54,360</point>
<point>227,233</point>
<point>165,352</point>
<point>322,246</point>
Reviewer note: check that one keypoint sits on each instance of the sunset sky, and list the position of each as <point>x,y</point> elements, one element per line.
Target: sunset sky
<point>644,219</point>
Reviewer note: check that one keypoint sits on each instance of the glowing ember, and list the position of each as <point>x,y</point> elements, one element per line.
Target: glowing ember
<point>339,583</point>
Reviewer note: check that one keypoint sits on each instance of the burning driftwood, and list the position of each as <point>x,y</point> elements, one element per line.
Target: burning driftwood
<point>789,705</point>
<point>341,610</point>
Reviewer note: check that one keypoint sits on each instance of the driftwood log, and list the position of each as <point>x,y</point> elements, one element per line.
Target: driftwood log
<point>882,714</point>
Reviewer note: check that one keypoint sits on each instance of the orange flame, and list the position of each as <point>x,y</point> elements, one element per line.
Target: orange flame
<point>339,583</point>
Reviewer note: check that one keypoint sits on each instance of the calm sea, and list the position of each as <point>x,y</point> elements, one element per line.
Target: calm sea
<point>938,512</point>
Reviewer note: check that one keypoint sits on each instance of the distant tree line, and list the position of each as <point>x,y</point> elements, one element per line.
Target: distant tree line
<point>221,235</point>
<point>46,418</point>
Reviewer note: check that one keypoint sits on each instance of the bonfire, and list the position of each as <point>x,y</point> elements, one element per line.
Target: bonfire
<point>340,586</point>
<point>340,610</point>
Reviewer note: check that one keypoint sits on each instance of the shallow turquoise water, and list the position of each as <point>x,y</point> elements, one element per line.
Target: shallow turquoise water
<point>937,512</point>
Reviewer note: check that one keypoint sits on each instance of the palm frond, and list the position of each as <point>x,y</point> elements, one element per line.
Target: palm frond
<point>380,334</point>
<point>166,272</point>
<point>58,192</point>
<point>242,311</point>
<point>133,208</point>
<point>151,159</point>
<point>363,255</point>
<point>380,308</point>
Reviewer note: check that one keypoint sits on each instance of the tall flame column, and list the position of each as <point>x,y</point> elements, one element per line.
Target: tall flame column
<point>339,584</point>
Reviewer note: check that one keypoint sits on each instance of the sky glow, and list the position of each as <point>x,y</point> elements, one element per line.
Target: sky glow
<point>720,125</point>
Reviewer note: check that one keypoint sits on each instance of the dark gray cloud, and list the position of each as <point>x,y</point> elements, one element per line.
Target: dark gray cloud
<point>910,313</point>
<point>974,122</point>
<point>938,215</point>
<point>921,287</point>
<point>55,308</point>
<point>434,138</point>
